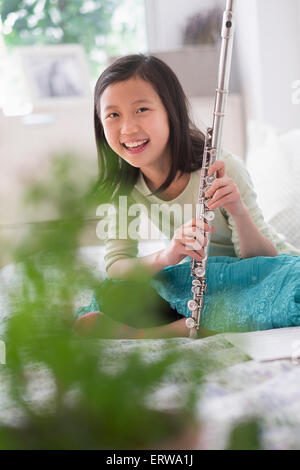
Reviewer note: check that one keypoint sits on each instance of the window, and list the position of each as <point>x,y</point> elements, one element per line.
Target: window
<point>104,28</point>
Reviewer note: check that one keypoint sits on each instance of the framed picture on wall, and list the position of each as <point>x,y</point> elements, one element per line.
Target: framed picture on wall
<point>55,74</point>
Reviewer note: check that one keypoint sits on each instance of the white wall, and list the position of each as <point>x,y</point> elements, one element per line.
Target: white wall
<point>268,40</point>
<point>266,48</point>
<point>196,67</point>
<point>26,151</point>
<point>165,21</point>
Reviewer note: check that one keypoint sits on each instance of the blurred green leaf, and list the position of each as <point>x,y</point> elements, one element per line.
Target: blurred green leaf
<point>67,22</point>
<point>246,436</point>
<point>93,402</point>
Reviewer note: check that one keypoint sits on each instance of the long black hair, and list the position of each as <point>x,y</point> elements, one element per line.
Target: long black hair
<point>116,176</point>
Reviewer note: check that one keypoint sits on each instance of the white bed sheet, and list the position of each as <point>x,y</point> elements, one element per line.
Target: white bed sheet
<point>241,388</point>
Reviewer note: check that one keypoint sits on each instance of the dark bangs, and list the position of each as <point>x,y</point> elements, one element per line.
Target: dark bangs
<point>118,177</point>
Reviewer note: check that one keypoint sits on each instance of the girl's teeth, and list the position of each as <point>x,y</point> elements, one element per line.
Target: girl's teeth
<point>135,144</point>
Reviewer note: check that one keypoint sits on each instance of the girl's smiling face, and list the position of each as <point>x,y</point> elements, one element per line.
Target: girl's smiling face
<point>132,112</point>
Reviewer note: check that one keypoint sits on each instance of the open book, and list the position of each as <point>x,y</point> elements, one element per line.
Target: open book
<point>268,345</point>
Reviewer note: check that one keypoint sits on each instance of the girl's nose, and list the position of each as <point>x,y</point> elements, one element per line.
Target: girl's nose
<point>129,126</point>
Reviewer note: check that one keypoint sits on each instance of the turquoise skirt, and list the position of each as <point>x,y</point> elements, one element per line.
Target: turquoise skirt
<point>242,294</point>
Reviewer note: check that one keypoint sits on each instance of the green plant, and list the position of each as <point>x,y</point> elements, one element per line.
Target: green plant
<point>70,393</point>
<point>89,23</point>
<point>246,435</point>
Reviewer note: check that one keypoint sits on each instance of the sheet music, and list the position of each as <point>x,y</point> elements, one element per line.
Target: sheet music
<point>280,343</point>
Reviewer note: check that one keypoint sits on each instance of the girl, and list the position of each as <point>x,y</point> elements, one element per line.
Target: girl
<point>151,151</point>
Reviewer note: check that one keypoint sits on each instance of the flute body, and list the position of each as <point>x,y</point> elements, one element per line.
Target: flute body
<point>212,149</point>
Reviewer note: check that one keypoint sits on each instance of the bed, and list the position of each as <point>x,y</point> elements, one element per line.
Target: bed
<point>238,389</point>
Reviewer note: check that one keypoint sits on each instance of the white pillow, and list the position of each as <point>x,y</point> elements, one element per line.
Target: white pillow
<point>273,161</point>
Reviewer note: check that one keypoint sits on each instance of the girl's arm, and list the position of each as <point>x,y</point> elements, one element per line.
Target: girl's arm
<point>252,241</point>
<point>130,268</point>
<point>225,193</point>
<point>188,240</point>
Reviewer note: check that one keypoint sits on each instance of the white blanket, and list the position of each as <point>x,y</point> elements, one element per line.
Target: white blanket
<point>241,388</point>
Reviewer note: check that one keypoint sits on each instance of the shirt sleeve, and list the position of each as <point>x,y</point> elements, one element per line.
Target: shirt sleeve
<point>118,249</point>
<point>121,238</point>
<point>236,169</point>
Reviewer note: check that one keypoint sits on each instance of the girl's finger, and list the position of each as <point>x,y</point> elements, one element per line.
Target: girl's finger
<point>221,192</point>
<point>225,200</point>
<point>219,167</point>
<point>195,234</point>
<point>191,244</point>
<point>194,255</point>
<point>197,223</point>
<point>218,183</point>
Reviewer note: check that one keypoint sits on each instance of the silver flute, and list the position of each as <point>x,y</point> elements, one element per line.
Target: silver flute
<point>212,150</point>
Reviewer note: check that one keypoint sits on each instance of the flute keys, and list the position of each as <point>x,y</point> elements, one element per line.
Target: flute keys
<point>209,215</point>
<point>191,323</point>
<point>196,290</point>
<point>195,282</point>
<point>209,180</point>
<point>200,272</point>
<point>192,305</point>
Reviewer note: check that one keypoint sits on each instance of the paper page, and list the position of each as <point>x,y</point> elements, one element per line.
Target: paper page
<point>268,345</point>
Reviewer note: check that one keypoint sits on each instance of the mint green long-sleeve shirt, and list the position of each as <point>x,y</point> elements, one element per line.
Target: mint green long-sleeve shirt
<point>167,216</point>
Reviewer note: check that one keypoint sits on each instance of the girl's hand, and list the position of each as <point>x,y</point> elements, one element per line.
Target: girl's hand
<point>188,240</point>
<point>224,192</point>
